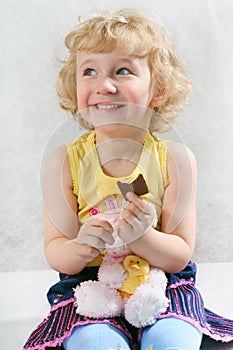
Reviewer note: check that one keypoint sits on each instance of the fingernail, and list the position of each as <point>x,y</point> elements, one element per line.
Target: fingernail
<point>129,195</point>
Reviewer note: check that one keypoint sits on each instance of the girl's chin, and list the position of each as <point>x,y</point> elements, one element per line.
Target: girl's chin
<point>111,127</point>
<point>117,130</point>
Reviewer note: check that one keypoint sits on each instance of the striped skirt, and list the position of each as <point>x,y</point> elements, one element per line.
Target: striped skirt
<point>186,304</point>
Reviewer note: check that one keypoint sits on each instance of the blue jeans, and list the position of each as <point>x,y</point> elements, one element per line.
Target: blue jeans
<point>166,334</point>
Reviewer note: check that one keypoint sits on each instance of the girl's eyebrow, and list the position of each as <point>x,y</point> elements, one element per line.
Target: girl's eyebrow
<point>86,62</point>
<point>127,60</point>
<point>120,60</point>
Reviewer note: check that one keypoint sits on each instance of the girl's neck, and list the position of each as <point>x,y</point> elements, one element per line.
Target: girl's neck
<point>129,133</point>
<point>119,156</point>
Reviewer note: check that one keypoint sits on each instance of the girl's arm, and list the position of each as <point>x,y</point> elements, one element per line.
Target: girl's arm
<point>60,218</point>
<point>172,248</point>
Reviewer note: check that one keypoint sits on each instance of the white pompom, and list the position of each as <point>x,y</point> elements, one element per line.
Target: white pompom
<point>157,277</point>
<point>111,274</point>
<point>95,300</point>
<point>145,305</point>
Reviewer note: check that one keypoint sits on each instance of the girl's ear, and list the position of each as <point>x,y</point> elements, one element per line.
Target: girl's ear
<point>160,97</point>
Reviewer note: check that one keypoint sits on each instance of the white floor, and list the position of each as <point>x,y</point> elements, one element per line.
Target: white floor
<point>23,301</point>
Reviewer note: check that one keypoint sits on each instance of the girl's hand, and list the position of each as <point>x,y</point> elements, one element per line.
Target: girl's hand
<point>137,217</point>
<point>96,232</point>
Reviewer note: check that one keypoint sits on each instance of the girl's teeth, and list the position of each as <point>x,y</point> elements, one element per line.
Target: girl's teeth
<point>108,106</point>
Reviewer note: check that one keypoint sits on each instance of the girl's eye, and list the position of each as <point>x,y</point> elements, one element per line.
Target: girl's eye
<point>90,72</point>
<point>123,71</point>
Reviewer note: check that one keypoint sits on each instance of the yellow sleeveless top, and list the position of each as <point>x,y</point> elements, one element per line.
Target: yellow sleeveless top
<point>92,186</point>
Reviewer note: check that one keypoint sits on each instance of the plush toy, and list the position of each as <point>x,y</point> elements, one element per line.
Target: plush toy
<point>127,286</point>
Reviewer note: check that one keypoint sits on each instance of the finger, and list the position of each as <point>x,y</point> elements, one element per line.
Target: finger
<point>128,216</point>
<point>139,225</point>
<point>107,237</point>
<point>125,231</point>
<point>138,206</point>
<point>133,198</point>
<point>105,234</point>
<point>99,221</point>
<point>132,208</point>
<point>88,253</point>
<point>91,241</point>
<point>132,212</point>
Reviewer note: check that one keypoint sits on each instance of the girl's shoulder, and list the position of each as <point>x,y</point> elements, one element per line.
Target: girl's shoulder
<point>175,158</point>
<point>58,163</point>
<point>180,152</point>
<point>86,138</point>
<point>177,149</point>
<point>59,154</point>
<point>181,161</point>
<point>56,157</point>
<point>82,145</point>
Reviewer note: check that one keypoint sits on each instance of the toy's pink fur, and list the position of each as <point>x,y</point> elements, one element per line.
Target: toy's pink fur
<point>101,299</point>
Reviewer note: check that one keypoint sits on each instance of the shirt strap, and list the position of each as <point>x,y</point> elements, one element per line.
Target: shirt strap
<point>162,153</point>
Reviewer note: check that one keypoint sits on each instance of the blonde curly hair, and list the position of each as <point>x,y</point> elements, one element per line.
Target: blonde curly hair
<point>143,37</point>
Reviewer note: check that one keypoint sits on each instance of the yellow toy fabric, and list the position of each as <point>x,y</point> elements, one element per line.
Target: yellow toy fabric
<point>136,270</point>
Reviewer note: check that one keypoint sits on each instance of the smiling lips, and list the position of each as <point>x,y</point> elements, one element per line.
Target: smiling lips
<point>108,106</point>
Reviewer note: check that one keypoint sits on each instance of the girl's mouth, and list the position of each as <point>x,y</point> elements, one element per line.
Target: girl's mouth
<point>113,106</point>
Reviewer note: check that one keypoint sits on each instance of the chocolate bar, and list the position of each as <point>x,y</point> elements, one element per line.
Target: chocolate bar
<point>138,186</point>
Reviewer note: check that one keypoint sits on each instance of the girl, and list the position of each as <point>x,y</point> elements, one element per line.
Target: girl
<point>123,81</point>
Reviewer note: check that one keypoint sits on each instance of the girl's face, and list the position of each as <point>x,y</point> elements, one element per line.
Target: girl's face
<point>108,83</point>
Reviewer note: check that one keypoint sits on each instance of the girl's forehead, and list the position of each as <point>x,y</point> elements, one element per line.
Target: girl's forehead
<point>113,56</point>
<point>99,53</point>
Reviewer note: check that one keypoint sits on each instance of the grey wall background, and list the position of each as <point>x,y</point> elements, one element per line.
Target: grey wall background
<point>32,36</point>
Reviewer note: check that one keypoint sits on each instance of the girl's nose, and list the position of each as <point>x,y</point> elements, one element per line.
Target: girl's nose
<point>106,86</point>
